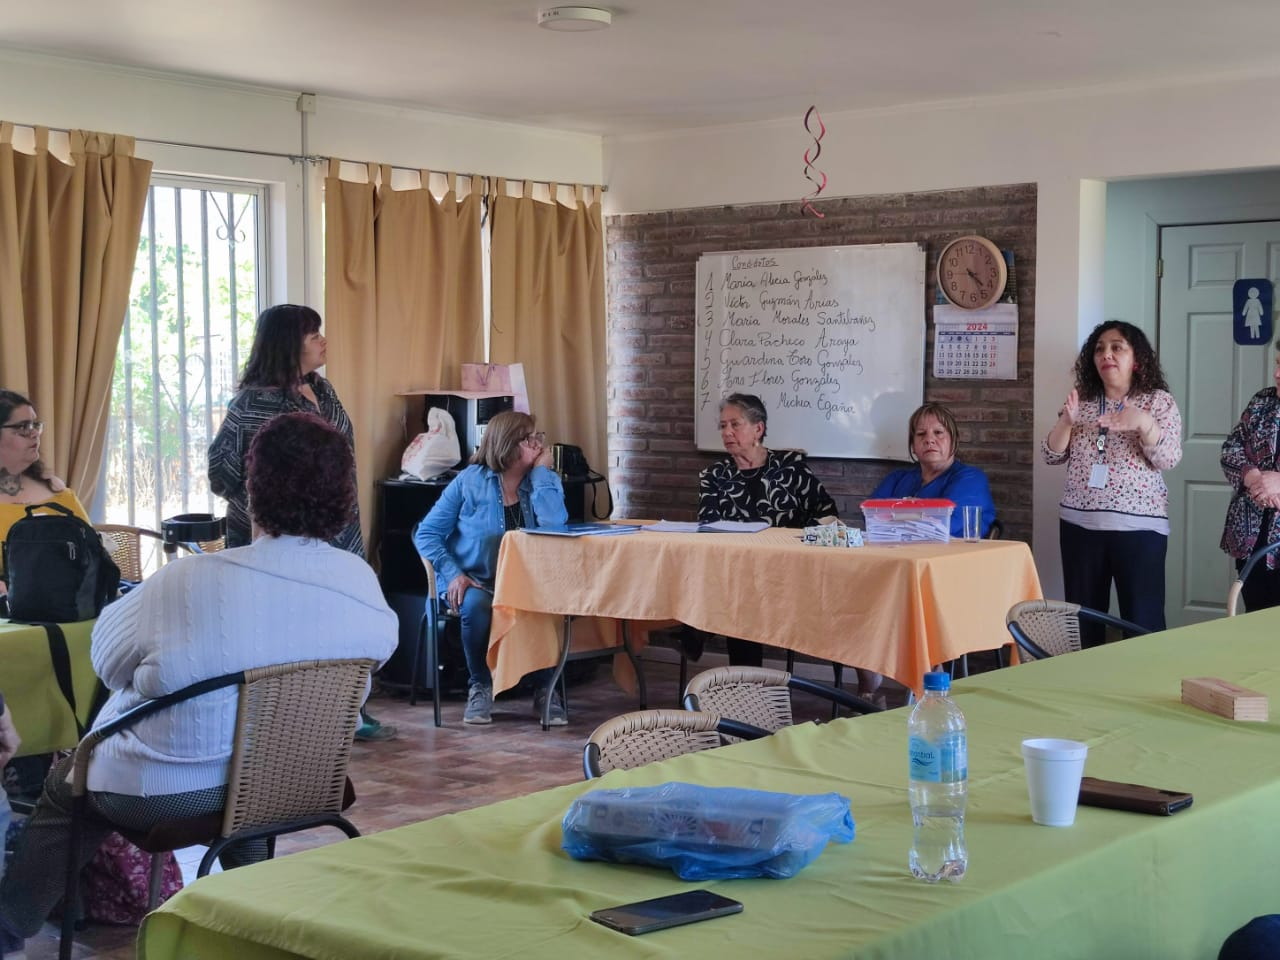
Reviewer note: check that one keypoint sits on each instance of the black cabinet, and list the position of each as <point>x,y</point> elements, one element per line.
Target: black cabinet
<point>401,508</point>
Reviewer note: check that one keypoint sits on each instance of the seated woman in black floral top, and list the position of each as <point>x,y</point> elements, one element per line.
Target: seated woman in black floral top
<point>756,483</point>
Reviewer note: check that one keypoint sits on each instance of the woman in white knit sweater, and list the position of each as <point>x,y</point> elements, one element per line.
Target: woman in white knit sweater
<point>287,596</point>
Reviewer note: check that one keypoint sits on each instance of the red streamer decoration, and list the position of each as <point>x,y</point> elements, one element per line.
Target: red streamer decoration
<point>820,181</point>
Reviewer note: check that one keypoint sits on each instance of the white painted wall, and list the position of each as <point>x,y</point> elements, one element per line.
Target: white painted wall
<point>193,117</point>
<point>1064,143</point>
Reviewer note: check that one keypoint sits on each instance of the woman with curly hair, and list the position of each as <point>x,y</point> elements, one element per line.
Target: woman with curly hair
<point>286,597</point>
<point>1117,431</point>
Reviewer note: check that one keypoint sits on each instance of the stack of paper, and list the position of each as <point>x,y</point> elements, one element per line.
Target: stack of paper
<point>584,529</point>
<point>716,526</point>
<point>923,528</point>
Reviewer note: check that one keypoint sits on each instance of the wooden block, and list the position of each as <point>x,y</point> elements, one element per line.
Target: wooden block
<point>1225,699</point>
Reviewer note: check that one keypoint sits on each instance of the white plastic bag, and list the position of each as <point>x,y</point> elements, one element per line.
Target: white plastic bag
<point>432,453</point>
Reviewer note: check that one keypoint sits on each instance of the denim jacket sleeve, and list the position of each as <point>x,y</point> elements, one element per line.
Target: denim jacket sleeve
<point>546,498</point>
<point>431,537</point>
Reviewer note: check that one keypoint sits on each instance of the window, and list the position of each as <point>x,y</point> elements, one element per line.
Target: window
<point>198,286</point>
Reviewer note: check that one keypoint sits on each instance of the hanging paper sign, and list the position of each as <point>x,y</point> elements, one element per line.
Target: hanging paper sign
<point>1251,306</point>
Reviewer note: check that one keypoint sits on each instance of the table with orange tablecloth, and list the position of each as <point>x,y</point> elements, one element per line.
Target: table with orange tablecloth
<point>896,609</point>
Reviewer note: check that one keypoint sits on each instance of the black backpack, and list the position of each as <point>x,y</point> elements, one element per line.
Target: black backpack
<point>56,568</point>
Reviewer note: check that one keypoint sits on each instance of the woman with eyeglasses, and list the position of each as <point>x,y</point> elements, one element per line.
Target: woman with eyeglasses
<point>24,481</point>
<point>508,485</point>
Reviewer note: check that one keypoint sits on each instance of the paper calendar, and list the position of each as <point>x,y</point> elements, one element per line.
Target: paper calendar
<point>975,344</point>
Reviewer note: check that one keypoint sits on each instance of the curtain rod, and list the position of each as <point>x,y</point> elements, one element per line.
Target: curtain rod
<point>316,158</point>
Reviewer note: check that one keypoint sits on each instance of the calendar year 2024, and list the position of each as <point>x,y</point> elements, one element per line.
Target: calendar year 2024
<point>975,344</point>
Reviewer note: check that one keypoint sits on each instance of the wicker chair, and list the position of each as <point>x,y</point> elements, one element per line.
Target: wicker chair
<point>634,739</point>
<point>1237,585</point>
<point>759,696</point>
<point>288,771</point>
<point>1047,628</point>
<point>435,613</point>
<point>124,544</point>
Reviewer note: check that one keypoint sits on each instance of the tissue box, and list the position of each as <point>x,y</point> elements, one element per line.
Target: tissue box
<point>908,521</point>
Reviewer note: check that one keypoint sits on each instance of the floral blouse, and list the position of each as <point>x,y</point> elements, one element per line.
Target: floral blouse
<point>1253,443</point>
<point>784,491</point>
<point>1134,488</point>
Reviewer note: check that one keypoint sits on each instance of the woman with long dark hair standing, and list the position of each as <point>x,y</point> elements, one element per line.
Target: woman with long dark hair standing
<point>280,377</point>
<point>1118,430</point>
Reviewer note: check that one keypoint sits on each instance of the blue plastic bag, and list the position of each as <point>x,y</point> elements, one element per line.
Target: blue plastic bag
<point>706,833</point>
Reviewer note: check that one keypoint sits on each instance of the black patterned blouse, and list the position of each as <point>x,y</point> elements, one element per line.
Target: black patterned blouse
<point>248,411</point>
<point>784,491</point>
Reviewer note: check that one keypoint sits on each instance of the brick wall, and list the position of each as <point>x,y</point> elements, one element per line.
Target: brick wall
<point>653,462</point>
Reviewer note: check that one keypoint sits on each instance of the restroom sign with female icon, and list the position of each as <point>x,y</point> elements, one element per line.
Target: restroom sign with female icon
<point>1251,306</point>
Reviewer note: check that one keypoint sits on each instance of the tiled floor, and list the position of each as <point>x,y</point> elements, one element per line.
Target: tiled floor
<point>428,771</point>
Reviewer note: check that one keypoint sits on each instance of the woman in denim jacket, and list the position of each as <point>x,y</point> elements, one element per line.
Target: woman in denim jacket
<point>508,485</point>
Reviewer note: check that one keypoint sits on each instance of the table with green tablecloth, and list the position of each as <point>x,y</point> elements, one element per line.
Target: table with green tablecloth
<point>40,711</point>
<point>493,882</point>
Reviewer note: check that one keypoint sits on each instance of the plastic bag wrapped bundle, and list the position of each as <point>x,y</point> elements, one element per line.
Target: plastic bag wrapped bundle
<point>706,833</point>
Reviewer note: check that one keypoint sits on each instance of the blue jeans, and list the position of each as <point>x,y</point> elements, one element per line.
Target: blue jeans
<point>477,615</point>
<point>476,618</point>
<point>8,941</point>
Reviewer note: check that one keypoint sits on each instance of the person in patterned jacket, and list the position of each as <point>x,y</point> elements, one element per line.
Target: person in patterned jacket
<point>1251,464</point>
<point>756,483</point>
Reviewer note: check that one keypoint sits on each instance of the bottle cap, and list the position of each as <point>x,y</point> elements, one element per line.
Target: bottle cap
<point>937,680</point>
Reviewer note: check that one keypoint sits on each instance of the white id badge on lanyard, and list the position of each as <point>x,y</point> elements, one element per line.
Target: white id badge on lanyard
<point>1098,475</point>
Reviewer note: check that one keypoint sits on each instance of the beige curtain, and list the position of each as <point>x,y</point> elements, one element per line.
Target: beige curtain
<point>404,306</point>
<point>68,239</point>
<point>547,267</point>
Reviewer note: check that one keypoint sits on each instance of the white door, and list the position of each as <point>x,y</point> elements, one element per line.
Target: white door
<point>1212,379</point>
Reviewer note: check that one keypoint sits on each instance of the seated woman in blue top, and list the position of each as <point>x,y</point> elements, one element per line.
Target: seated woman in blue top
<point>508,485</point>
<point>933,438</point>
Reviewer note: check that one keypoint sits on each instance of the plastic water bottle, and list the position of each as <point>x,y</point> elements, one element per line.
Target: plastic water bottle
<point>938,755</point>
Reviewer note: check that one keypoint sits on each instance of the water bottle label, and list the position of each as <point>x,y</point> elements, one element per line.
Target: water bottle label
<point>946,761</point>
<point>953,758</point>
<point>926,760</point>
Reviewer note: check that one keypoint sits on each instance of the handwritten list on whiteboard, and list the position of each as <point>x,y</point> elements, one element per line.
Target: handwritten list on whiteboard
<point>830,338</point>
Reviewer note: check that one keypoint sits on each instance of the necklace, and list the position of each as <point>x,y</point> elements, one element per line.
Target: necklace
<point>10,483</point>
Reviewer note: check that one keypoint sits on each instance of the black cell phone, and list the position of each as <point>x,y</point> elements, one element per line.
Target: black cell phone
<point>662,912</point>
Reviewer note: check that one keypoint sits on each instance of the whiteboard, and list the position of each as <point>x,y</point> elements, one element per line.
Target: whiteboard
<point>830,338</point>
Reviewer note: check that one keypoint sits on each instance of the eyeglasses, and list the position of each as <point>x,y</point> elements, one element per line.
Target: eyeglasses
<point>28,428</point>
<point>538,439</point>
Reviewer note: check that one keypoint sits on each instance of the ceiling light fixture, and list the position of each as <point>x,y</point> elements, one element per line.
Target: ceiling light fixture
<point>574,19</point>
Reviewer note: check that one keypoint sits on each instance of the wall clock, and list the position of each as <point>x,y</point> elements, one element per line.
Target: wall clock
<point>972,272</point>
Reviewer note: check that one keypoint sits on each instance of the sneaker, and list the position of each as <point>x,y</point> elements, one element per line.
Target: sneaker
<point>559,717</point>
<point>371,729</point>
<point>479,704</point>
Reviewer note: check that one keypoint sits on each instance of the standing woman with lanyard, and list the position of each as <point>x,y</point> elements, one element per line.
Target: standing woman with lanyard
<point>1117,431</point>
